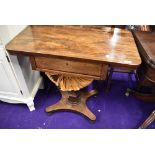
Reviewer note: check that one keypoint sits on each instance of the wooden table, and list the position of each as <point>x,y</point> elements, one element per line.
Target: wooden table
<point>84,51</point>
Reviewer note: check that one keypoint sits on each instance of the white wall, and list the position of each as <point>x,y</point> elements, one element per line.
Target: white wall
<point>7,32</point>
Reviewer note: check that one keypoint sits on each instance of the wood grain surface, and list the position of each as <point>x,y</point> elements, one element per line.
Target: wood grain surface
<point>69,65</point>
<point>96,43</point>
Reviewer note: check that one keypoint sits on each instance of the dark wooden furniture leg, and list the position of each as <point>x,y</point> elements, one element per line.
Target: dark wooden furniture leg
<point>112,70</point>
<point>148,121</point>
<point>141,96</point>
<point>74,101</point>
<point>109,79</point>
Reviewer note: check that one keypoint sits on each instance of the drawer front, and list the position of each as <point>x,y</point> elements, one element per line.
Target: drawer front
<point>69,65</point>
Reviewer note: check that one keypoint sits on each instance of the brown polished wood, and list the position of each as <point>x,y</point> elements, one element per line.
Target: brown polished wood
<point>148,121</point>
<point>70,65</point>
<point>146,71</point>
<point>146,46</point>
<point>67,82</point>
<point>80,107</point>
<point>101,44</point>
<point>84,51</point>
<point>33,63</point>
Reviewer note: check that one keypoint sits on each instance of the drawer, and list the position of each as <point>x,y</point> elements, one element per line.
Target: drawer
<point>69,65</point>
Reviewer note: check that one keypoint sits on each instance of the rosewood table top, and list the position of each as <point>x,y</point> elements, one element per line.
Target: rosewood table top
<point>95,43</point>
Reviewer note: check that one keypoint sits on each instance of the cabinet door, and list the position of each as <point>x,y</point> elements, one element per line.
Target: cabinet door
<point>8,83</point>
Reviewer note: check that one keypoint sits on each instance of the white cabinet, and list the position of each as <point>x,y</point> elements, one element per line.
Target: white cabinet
<point>18,82</point>
<point>8,84</point>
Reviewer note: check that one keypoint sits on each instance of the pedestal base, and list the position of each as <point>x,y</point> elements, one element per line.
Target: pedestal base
<point>78,105</point>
